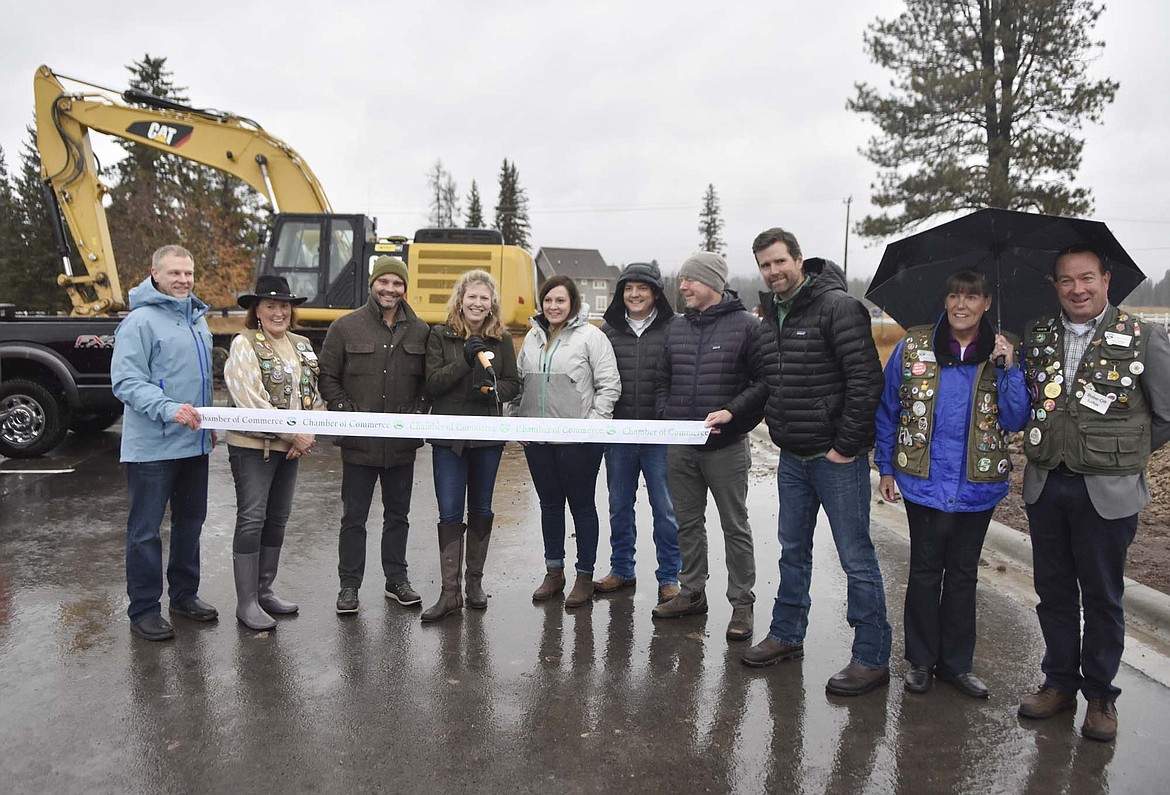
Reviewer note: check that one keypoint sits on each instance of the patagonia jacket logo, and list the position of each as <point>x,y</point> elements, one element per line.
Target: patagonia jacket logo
<point>801,333</point>
<point>716,347</point>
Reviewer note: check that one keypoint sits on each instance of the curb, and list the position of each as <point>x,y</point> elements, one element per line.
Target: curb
<point>1144,605</point>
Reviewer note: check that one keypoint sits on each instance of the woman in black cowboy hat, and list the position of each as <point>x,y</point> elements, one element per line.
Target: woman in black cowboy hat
<point>269,368</point>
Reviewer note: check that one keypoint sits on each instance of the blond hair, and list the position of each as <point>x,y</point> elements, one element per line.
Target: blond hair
<point>492,327</point>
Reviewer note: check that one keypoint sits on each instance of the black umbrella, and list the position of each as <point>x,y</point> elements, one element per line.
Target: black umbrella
<point>1014,250</point>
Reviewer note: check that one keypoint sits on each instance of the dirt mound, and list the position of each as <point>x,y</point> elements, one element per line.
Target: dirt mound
<point>1149,556</point>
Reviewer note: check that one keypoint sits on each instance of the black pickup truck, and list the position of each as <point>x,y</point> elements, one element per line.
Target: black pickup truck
<point>54,377</point>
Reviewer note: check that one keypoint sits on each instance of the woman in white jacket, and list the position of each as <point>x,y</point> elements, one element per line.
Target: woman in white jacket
<point>567,369</point>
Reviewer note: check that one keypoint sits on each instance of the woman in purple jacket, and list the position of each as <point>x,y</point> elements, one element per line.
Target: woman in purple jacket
<point>953,392</point>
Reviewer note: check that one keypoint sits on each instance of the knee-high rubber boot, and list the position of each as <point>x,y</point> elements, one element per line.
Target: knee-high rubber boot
<point>479,535</point>
<point>273,604</point>
<point>247,571</point>
<point>451,567</point>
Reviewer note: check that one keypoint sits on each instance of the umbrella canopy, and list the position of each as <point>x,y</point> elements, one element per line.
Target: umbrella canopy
<point>1014,250</point>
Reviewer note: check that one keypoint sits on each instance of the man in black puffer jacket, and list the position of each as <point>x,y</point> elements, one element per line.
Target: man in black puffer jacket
<point>636,323</point>
<point>712,369</point>
<point>825,382</point>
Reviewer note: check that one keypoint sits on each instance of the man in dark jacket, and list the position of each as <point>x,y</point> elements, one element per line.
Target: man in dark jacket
<point>373,360</point>
<point>712,369</point>
<point>636,324</point>
<point>825,385</point>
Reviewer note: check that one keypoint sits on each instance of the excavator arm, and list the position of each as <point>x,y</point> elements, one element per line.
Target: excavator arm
<point>223,141</point>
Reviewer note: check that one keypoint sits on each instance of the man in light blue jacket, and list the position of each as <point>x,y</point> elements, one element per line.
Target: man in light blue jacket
<point>162,371</point>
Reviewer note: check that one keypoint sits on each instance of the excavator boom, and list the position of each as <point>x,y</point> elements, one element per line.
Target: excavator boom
<point>223,141</point>
<point>325,256</point>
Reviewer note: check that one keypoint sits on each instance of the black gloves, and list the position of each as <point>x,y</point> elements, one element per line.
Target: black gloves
<point>472,347</point>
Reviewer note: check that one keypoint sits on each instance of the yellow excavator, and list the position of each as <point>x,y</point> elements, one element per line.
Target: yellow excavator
<point>324,255</point>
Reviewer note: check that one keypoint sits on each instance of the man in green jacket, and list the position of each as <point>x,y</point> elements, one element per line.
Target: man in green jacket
<point>1100,384</point>
<point>373,360</point>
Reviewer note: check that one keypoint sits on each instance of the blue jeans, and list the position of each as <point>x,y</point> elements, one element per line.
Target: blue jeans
<point>567,473</point>
<point>844,492</point>
<point>264,496</point>
<point>623,462</point>
<point>468,477</point>
<point>182,482</point>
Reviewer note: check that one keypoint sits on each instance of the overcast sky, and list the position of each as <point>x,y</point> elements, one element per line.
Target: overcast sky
<point>617,115</point>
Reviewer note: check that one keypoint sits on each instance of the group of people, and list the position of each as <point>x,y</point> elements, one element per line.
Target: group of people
<point>1089,386</point>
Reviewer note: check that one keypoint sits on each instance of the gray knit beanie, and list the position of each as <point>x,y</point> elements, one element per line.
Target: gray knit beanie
<point>706,267</point>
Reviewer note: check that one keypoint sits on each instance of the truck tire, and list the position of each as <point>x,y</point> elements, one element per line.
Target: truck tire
<point>94,422</point>
<point>33,420</point>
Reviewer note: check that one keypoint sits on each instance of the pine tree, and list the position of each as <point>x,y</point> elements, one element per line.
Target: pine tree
<point>11,240</point>
<point>710,224</point>
<point>150,76</point>
<point>984,107</point>
<point>219,224</point>
<point>147,194</point>
<point>38,263</point>
<point>474,219</point>
<point>160,198</point>
<point>512,207</point>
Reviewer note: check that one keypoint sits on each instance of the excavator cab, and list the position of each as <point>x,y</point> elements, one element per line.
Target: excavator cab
<point>325,258</point>
<point>328,258</point>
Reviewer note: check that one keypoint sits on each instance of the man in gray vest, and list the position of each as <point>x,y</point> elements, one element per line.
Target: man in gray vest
<point>1100,384</point>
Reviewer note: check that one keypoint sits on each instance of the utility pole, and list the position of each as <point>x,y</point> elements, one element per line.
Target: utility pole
<point>845,265</point>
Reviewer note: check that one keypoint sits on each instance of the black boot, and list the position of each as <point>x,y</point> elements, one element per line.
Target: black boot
<point>273,604</point>
<point>451,566</point>
<point>479,535</point>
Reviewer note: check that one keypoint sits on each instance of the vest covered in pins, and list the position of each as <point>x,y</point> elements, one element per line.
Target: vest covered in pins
<point>1093,418</point>
<point>988,460</point>
<point>277,376</point>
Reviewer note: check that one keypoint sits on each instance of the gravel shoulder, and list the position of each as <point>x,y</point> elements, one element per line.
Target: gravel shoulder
<point>1149,555</point>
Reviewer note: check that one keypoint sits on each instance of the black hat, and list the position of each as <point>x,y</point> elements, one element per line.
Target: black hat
<point>274,287</point>
<point>645,272</point>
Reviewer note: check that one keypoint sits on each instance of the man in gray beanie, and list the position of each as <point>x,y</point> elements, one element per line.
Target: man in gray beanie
<point>705,267</point>
<point>713,369</point>
<point>373,360</point>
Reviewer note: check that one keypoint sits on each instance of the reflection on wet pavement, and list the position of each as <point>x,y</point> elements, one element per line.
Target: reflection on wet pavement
<point>519,697</point>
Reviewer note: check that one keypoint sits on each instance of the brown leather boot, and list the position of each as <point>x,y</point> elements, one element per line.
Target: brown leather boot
<point>582,591</point>
<point>479,534</point>
<point>1046,702</point>
<point>1100,720</point>
<point>554,583</point>
<point>856,680</point>
<point>451,566</point>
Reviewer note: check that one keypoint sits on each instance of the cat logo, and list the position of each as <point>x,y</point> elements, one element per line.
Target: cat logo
<point>172,135</point>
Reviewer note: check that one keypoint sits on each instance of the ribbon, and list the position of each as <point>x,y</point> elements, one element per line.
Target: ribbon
<point>453,426</point>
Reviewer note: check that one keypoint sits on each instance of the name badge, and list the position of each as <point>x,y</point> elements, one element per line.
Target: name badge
<point>926,356</point>
<point>1095,401</point>
<point>1120,340</point>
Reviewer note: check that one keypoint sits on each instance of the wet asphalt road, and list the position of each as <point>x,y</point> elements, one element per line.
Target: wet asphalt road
<point>520,697</point>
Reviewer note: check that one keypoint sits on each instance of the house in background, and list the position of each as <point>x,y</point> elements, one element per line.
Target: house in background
<point>595,279</point>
